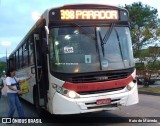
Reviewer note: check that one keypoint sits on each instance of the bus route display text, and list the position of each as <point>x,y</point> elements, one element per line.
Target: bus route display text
<point>74,14</point>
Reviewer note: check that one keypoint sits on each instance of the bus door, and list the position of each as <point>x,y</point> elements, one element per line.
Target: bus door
<point>41,71</point>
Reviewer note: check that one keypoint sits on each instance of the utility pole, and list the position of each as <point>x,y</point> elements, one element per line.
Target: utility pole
<point>5,44</point>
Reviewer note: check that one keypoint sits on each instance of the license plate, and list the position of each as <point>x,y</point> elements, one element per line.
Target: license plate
<point>103,101</point>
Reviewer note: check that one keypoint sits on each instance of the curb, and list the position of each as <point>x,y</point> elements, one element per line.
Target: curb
<point>149,93</point>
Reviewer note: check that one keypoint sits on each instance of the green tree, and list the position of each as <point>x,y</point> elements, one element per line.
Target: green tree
<point>2,68</point>
<point>151,70</point>
<point>144,25</point>
<point>145,29</point>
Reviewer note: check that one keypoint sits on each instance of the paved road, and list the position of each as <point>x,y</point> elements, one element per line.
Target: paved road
<point>149,106</point>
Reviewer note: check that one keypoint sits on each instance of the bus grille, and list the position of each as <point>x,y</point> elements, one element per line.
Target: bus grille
<point>100,91</point>
<point>101,76</point>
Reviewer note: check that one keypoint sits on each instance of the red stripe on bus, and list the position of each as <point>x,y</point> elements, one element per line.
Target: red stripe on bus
<point>83,87</point>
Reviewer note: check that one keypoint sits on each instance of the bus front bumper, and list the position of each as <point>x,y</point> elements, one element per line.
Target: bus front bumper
<point>64,105</point>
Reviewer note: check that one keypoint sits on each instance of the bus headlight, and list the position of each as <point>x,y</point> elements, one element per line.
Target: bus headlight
<point>130,86</point>
<point>72,94</point>
<point>66,92</point>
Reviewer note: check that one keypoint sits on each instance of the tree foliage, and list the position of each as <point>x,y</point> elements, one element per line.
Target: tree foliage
<point>142,15</point>
<point>144,25</point>
<point>145,30</point>
<point>2,68</point>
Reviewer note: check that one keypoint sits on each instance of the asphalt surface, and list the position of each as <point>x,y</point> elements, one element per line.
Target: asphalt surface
<point>148,109</point>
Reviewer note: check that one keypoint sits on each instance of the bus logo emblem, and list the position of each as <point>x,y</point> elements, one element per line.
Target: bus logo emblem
<point>102,78</point>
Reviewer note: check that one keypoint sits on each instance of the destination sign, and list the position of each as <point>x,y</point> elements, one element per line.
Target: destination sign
<point>91,14</point>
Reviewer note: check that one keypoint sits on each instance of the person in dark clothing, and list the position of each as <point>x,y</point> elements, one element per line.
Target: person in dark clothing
<point>1,85</point>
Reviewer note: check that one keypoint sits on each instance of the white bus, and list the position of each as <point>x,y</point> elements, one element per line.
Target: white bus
<point>81,60</point>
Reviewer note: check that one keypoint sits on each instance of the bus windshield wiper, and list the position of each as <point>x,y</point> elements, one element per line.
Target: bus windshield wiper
<point>106,37</point>
<point>84,31</point>
<point>117,35</point>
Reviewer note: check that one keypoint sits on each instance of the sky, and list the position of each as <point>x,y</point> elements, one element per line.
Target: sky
<point>16,17</point>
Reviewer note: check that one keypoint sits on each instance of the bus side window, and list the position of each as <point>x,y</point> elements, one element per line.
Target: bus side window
<point>31,60</point>
<point>25,54</point>
<point>17,59</point>
<point>20,57</point>
<point>11,61</point>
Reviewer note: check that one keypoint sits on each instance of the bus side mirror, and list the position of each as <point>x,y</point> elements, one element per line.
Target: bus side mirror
<point>45,49</point>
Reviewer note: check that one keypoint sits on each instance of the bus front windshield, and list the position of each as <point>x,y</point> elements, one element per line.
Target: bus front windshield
<point>90,49</point>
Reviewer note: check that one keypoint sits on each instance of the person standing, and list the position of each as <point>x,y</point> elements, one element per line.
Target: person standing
<point>12,93</point>
<point>1,85</point>
<point>4,89</point>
